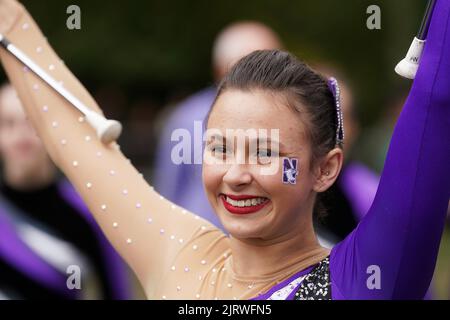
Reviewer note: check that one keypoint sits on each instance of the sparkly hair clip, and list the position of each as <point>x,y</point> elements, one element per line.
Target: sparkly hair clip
<point>334,88</point>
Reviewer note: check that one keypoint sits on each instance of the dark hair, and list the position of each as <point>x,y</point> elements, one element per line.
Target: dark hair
<point>307,93</point>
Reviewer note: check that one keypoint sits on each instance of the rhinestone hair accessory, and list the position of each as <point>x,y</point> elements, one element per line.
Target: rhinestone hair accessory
<point>335,90</point>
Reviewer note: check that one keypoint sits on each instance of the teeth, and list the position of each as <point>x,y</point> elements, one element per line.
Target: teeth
<point>245,203</point>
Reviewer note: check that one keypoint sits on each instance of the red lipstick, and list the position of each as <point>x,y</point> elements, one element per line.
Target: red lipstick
<point>242,210</point>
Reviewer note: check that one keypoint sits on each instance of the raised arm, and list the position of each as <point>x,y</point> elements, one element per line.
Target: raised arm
<point>399,238</point>
<point>147,230</point>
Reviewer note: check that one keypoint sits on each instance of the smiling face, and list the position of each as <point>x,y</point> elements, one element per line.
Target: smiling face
<point>249,202</point>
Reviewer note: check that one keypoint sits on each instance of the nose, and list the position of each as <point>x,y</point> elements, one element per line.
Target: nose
<point>238,175</point>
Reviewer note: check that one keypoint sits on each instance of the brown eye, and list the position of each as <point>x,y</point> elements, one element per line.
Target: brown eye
<point>264,153</point>
<point>219,149</point>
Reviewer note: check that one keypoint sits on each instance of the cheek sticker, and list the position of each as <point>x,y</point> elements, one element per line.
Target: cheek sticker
<point>290,170</point>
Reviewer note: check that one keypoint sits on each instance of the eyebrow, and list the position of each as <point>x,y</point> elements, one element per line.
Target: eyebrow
<point>216,136</point>
<point>269,141</point>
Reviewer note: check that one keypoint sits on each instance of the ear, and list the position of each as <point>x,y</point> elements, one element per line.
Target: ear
<point>328,170</point>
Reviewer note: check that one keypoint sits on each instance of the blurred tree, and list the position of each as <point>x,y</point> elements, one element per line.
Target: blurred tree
<point>162,48</point>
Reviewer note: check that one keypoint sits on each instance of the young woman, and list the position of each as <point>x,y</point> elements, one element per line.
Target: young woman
<point>272,251</point>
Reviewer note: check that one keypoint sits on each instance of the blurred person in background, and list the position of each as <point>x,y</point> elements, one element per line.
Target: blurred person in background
<point>182,183</point>
<point>45,228</point>
<point>374,141</point>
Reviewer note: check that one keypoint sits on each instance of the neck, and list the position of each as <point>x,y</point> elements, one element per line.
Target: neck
<point>256,257</point>
<point>28,179</point>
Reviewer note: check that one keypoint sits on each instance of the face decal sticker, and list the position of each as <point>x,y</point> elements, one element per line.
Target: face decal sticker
<point>290,170</point>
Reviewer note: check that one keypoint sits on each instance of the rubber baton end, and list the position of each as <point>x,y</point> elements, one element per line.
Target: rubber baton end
<point>107,130</point>
<point>407,68</point>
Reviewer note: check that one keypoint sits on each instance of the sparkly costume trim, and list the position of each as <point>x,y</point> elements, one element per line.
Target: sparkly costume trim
<point>317,284</point>
<point>284,292</point>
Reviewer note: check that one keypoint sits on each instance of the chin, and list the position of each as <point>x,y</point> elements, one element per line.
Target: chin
<point>244,228</point>
<point>243,233</point>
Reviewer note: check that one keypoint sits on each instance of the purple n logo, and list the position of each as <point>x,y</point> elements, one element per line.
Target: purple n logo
<point>290,170</point>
